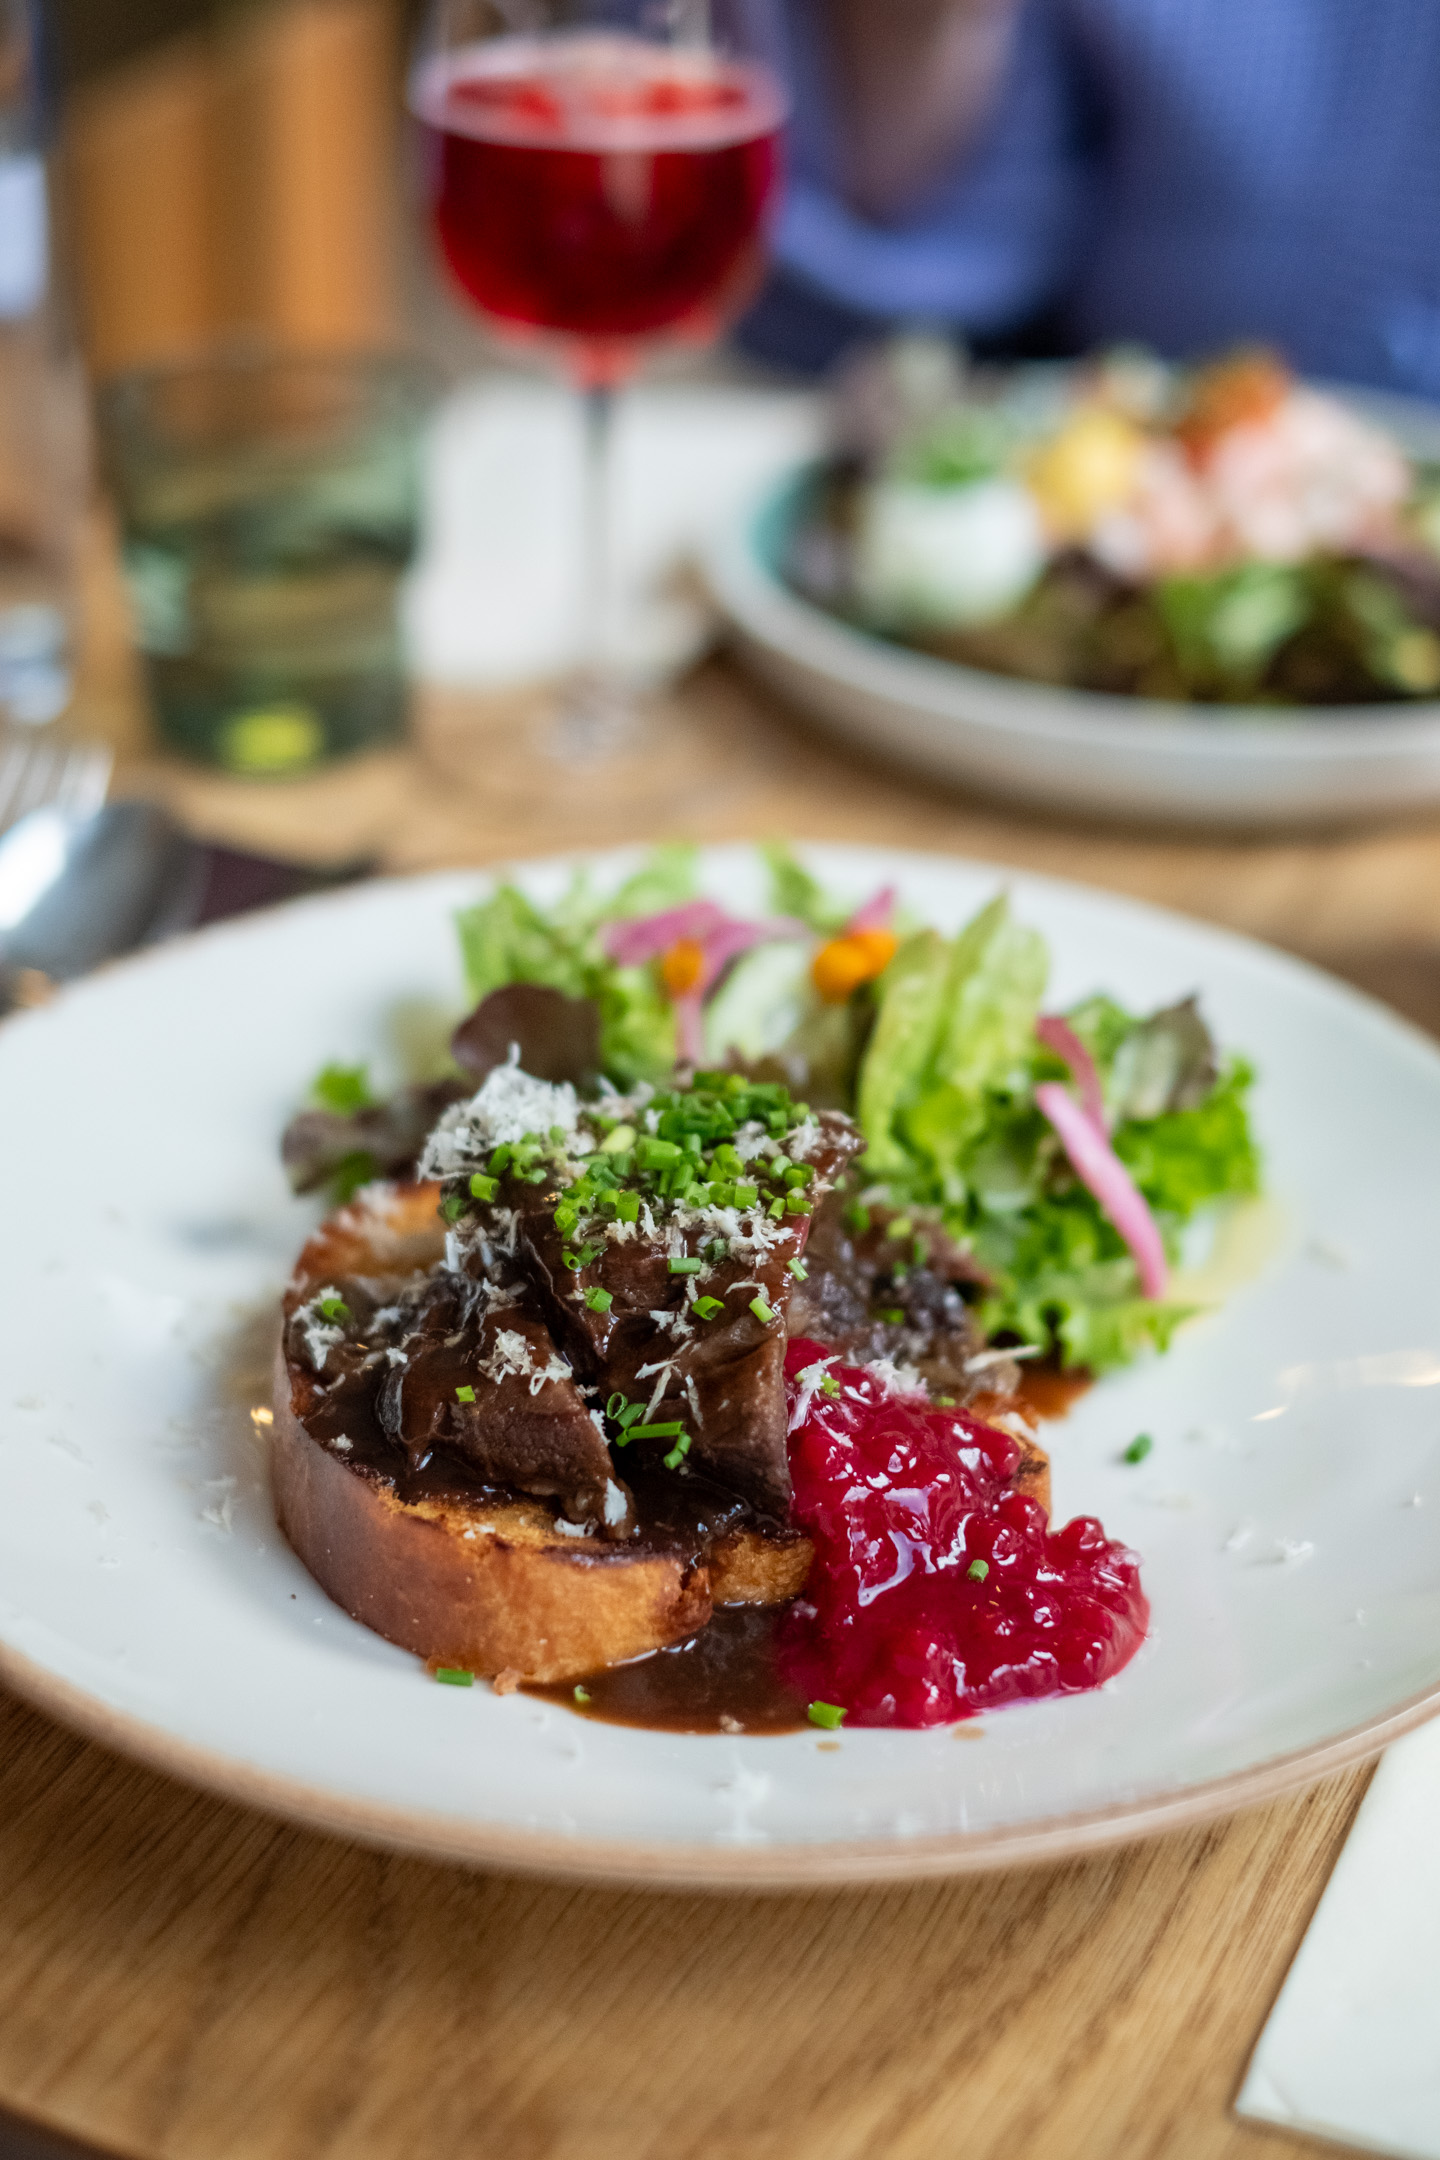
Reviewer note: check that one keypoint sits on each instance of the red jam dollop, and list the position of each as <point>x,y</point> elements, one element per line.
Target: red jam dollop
<point>936,1591</point>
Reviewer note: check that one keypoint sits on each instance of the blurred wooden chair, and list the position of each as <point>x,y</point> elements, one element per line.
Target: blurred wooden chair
<point>239,181</point>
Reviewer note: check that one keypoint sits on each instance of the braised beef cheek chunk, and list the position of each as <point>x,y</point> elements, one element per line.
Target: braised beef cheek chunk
<point>661,1236</point>
<point>440,1364</point>
<point>481,1376</point>
<point>880,1284</point>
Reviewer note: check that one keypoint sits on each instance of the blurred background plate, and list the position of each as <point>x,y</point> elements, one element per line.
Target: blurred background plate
<point>1076,750</point>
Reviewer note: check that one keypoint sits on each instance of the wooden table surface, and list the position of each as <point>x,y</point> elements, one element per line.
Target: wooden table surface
<point>182,1977</point>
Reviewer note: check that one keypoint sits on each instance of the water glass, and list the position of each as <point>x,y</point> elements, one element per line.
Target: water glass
<point>269,507</point>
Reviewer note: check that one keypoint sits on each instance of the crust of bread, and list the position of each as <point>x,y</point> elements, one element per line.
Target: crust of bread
<point>748,1569</point>
<point>491,1585</point>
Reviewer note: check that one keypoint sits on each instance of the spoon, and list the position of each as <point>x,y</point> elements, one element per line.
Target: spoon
<point>76,890</point>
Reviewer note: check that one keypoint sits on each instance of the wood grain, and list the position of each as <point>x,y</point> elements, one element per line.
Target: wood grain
<point>182,1978</point>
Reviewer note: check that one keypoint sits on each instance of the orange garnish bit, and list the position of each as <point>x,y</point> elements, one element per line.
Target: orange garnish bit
<point>1237,392</point>
<point>683,967</point>
<point>858,957</point>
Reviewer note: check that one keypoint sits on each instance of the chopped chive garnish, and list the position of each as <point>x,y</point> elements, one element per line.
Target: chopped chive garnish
<point>559,1135</point>
<point>762,1311</point>
<point>746,1194</point>
<point>627,1207</point>
<point>1138,1449</point>
<point>799,1270</point>
<point>708,1307</point>
<point>893,1316</point>
<point>829,1715</point>
<point>616,1142</point>
<point>830,1386</point>
<point>631,1411</point>
<point>776,1209</point>
<point>453,1206</point>
<point>454,1676</point>
<point>582,1694</point>
<point>671,1430</point>
<point>796,1204</point>
<point>653,1154</point>
<point>483,1188</point>
<point>677,1454</point>
<point>500,1160</point>
<point>599,1300</point>
<point>978,1570</point>
<point>718,1249</point>
<point>334,1308</point>
<point>464,1394</point>
<point>615,1405</point>
<point>686,1267</point>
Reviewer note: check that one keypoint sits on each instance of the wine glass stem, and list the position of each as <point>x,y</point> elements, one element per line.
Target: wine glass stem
<point>597,604</point>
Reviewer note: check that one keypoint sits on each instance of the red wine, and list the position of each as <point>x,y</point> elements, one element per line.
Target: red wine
<point>601,189</point>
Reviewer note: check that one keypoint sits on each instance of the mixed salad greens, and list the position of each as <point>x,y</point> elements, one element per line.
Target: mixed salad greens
<point>1066,1151</point>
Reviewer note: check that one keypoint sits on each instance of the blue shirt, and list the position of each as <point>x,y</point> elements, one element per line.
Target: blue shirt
<point>1187,172</point>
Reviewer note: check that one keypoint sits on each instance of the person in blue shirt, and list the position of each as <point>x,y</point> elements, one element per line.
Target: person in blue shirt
<point>1060,173</point>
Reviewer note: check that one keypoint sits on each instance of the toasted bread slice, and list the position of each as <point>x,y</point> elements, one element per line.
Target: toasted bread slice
<point>492,1583</point>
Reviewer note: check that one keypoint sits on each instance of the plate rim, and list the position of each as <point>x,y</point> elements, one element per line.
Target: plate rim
<point>838,1863</point>
<point>717,1866</point>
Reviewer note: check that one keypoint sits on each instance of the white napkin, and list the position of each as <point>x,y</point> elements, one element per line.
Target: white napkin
<point>1352,2049</point>
<point>493,599</point>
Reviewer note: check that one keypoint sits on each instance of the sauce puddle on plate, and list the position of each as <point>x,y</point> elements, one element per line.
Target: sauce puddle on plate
<point>722,1680</point>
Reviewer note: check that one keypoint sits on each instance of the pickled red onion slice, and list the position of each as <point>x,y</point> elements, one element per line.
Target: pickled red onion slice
<point>1099,1168</point>
<point>876,913</point>
<point>1059,1036</point>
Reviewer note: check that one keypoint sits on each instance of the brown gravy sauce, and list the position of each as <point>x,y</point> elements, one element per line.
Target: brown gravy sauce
<point>721,1680</point>
<point>1047,1392</point>
<point>724,1679</point>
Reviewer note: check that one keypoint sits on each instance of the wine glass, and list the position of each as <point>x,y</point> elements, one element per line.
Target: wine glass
<point>600,174</point>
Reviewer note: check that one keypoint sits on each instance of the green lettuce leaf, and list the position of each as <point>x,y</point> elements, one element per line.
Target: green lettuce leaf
<point>794,891</point>
<point>910,1013</point>
<point>946,1097</point>
<point>508,939</point>
<point>668,877</point>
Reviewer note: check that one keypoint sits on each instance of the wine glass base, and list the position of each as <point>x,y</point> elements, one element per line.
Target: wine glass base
<point>597,716</point>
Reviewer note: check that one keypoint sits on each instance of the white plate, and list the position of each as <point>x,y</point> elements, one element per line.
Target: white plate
<point>1289,1516</point>
<point>1077,749</point>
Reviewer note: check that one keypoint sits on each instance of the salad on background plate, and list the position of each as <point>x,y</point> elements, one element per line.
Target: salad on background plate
<point>1225,535</point>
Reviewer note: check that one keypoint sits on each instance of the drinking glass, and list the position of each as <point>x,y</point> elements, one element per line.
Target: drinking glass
<point>269,506</point>
<point>599,174</point>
